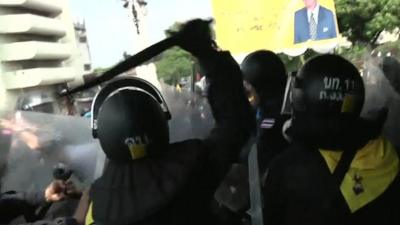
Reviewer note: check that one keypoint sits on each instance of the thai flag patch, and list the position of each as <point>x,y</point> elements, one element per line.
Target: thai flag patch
<point>267,123</point>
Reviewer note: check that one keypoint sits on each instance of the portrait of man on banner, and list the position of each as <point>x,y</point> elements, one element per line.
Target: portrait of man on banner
<point>314,22</point>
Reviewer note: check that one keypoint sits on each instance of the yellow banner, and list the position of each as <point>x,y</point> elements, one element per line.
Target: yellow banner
<point>246,26</point>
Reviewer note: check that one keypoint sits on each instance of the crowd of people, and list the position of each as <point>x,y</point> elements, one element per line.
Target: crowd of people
<point>323,164</point>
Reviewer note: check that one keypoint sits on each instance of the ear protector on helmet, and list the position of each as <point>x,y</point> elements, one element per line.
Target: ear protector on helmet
<point>125,83</point>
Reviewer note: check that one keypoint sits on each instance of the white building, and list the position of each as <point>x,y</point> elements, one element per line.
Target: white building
<point>38,49</point>
<point>83,46</point>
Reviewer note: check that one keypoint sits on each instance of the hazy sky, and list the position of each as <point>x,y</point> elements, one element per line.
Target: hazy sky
<point>110,31</point>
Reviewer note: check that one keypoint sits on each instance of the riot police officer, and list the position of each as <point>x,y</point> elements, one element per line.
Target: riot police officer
<point>149,180</point>
<point>338,170</point>
<point>265,79</point>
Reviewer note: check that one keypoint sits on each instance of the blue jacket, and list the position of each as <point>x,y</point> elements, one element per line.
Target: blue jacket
<point>326,27</point>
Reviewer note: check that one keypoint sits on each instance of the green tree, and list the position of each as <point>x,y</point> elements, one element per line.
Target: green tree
<point>292,64</point>
<point>363,20</point>
<point>355,54</point>
<point>100,70</point>
<point>174,63</point>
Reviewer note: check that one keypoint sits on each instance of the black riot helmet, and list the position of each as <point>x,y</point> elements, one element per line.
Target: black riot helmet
<point>130,118</point>
<point>265,71</point>
<point>328,85</point>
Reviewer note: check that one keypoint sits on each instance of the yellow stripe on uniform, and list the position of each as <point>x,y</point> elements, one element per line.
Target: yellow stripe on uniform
<point>89,216</point>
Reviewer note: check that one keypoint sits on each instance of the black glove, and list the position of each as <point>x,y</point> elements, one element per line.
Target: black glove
<point>195,37</point>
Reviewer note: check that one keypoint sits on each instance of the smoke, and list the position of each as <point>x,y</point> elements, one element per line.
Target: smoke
<point>191,114</point>
<point>59,139</point>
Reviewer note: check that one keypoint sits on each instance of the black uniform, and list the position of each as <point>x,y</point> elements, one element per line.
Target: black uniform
<point>177,187</point>
<point>270,141</point>
<point>300,189</point>
<point>266,74</point>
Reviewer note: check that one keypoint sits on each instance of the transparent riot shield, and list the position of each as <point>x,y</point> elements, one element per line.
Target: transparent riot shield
<point>39,142</point>
<point>191,114</point>
<point>381,76</point>
<point>255,211</point>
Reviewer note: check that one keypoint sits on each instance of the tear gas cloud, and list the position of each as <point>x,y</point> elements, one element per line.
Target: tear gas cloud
<point>60,139</point>
<point>34,143</point>
<point>191,114</point>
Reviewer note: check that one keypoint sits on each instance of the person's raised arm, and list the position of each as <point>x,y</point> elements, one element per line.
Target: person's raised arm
<point>234,119</point>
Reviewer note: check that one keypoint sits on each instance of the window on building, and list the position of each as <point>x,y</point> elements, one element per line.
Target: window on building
<point>87,67</point>
<point>83,39</point>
